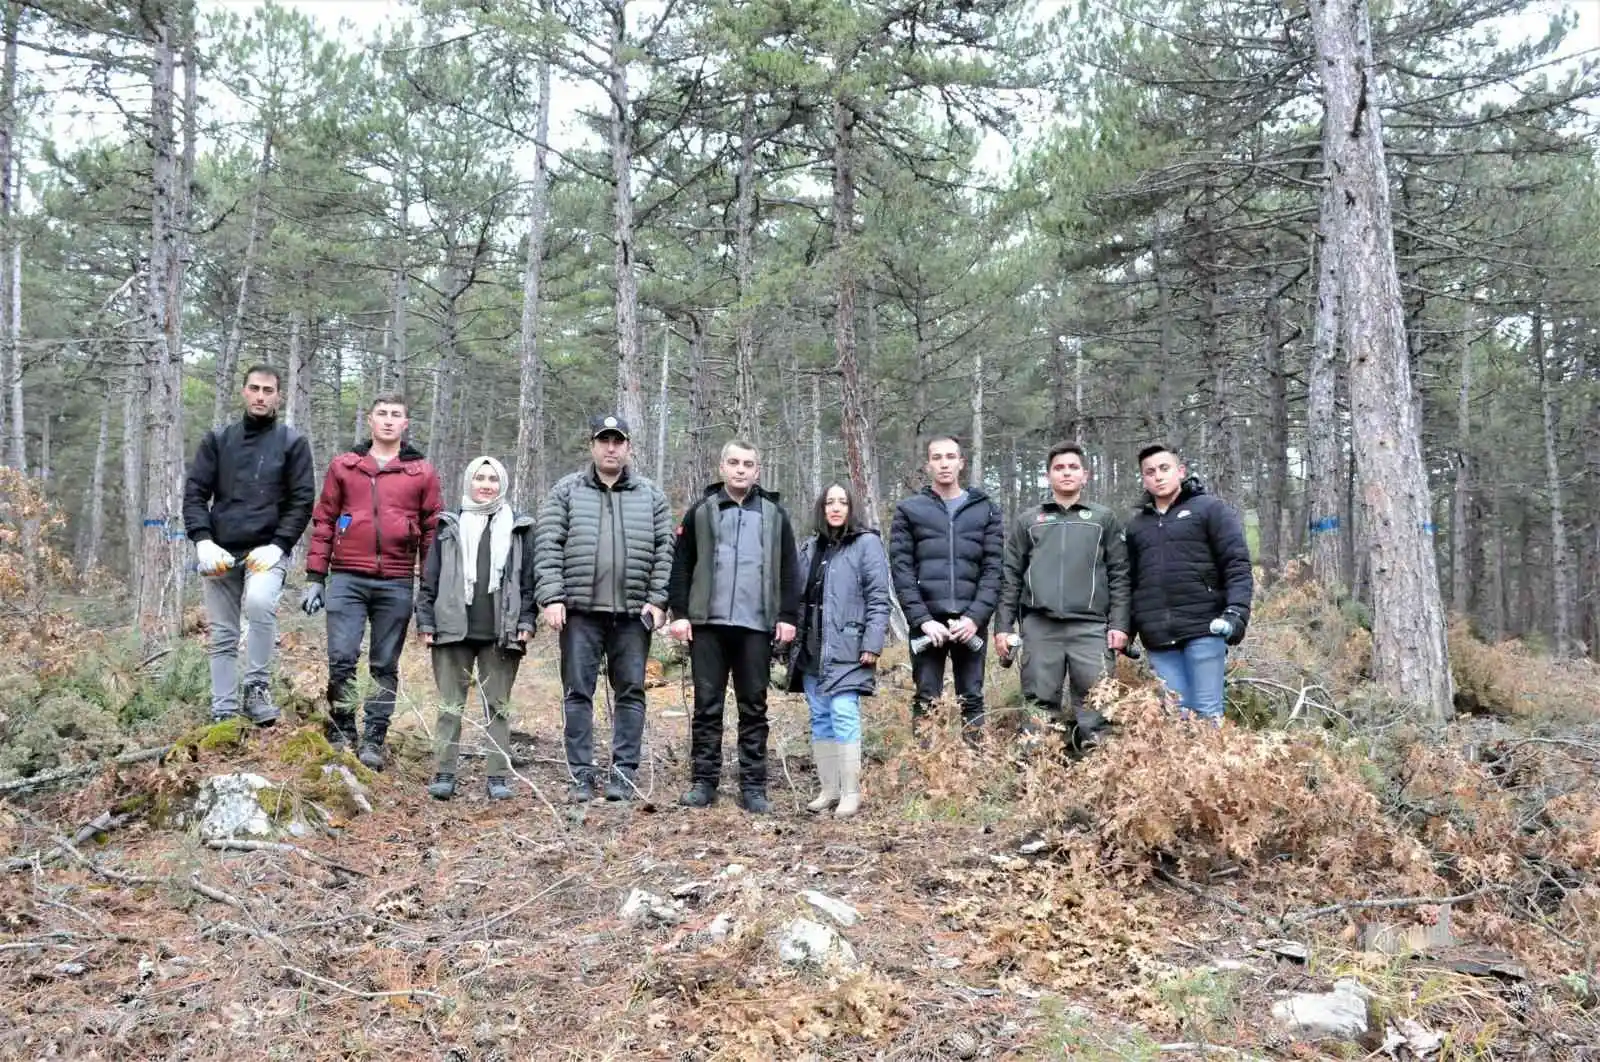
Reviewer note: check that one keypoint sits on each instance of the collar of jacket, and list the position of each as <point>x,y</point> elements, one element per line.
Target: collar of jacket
<point>624,481</point>
<point>1051,504</point>
<point>259,425</point>
<point>407,451</point>
<point>756,491</point>
<point>1189,488</point>
<point>973,494</point>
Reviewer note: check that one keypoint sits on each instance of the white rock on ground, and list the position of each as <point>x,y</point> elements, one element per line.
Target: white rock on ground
<point>804,941</point>
<point>229,805</point>
<point>641,906</point>
<point>720,927</point>
<point>841,912</point>
<point>1340,1014</point>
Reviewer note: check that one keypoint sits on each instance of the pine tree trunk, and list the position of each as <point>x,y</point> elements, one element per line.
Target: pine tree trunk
<point>1461,551</point>
<point>1560,560</point>
<point>159,600</point>
<point>630,352</point>
<point>700,463</point>
<point>663,406</point>
<point>393,376</point>
<point>529,476</point>
<point>228,358</point>
<point>853,428</point>
<point>1275,446</point>
<point>1325,485</point>
<point>87,556</point>
<point>1410,657</point>
<point>294,414</point>
<point>975,457</point>
<point>747,408</point>
<point>10,273</point>
<point>816,435</point>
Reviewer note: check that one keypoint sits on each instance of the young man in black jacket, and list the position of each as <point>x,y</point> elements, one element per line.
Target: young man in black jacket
<point>246,502</point>
<point>945,547</point>
<point>734,590</point>
<point>1066,587</point>
<point>1192,583</point>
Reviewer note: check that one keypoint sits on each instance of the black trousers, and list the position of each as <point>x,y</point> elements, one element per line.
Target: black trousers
<point>717,653</point>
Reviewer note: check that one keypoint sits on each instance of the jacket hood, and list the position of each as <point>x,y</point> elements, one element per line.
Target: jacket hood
<point>758,490</point>
<point>407,451</point>
<point>1189,488</point>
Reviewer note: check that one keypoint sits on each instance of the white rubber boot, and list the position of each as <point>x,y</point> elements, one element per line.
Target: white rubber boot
<point>849,779</point>
<point>826,754</point>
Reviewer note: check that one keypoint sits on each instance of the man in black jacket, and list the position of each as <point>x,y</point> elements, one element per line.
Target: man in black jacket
<point>602,553</point>
<point>945,548</point>
<point>735,589</point>
<point>246,503</point>
<point>1066,587</point>
<point>1192,583</point>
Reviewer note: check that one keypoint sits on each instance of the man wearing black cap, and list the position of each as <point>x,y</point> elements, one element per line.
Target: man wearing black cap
<point>602,555</point>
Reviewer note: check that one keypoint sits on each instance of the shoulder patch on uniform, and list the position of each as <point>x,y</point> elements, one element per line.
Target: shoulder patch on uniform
<point>1084,514</point>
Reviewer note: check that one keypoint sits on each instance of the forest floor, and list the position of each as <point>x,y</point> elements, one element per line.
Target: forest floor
<point>1152,901</point>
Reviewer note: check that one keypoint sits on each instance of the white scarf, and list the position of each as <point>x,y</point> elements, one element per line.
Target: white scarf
<point>475,516</point>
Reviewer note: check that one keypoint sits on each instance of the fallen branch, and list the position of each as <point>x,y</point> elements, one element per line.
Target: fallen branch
<point>102,823</point>
<point>1206,894</point>
<point>1295,917</point>
<point>358,993</point>
<point>65,774</point>
<point>228,844</point>
<point>519,905</point>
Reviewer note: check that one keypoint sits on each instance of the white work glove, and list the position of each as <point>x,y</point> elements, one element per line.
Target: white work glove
<point>262,558</point>
<point>211,559</point>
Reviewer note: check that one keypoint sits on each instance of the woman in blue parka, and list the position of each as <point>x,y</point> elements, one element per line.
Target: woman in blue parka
<point>844,619</point>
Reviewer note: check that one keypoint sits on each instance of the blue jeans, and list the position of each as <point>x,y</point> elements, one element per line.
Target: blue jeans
<point>1194,671</point>
<point>836,717</point>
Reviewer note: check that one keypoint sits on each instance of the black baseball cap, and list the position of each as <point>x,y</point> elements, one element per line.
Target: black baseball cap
<point>609,424</point>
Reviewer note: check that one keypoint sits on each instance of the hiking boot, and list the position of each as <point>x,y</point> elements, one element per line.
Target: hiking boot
<point>755,802</point>
<point>258,706</point>
<point>371,755</point>
<point>700,795</point>
<point>443,786</point>
<point>498,788</point>
<point>620,786</point>
<point>581,791</point>
<point>340,731</point>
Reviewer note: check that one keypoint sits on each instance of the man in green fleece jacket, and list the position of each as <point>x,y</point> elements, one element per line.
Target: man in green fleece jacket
<point>1066,590</point>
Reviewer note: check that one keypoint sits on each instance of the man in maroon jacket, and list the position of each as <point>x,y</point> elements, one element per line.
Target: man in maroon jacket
<point>374,521</point>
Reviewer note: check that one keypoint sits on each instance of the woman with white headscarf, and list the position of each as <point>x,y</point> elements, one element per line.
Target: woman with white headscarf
<point>475,610</point>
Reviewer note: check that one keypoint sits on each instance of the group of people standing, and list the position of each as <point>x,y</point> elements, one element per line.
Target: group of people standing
<point>604,565</point>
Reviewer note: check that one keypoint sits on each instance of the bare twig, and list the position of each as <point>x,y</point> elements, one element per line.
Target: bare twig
<point>65,774</point>
<point>519,905</point>
<point>102,823</point>
<point>1403,901</point>
<point>1206,894</point>
<point>358,993</point>
<point>228,844</point>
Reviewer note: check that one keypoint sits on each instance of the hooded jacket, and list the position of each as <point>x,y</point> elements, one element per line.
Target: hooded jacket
<point>1189,565</point>
<point>854,616</point>
<point>373,521</point>
<point>694,559</point>
<point>441,607</point>
<point>250,484</point>
<point>567,541</point>
<point>947,565</point>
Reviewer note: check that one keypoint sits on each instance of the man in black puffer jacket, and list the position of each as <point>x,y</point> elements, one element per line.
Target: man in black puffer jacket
<point>1192,583</point>
<point>945,548</point>
<point>602,555</point>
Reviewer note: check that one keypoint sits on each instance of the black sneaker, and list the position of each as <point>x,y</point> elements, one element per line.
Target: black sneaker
<point>581,791</point>
<point>443,786</point>
<point>700,795</point>
<point>340,734</point>
<point>755,802</point>
<point>498,789</point>
<point>258,706</point>
<point>620,786</point>
<point>371,755</point>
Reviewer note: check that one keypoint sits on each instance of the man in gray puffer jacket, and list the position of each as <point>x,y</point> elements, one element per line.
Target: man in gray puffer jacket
<point>602,555</point>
